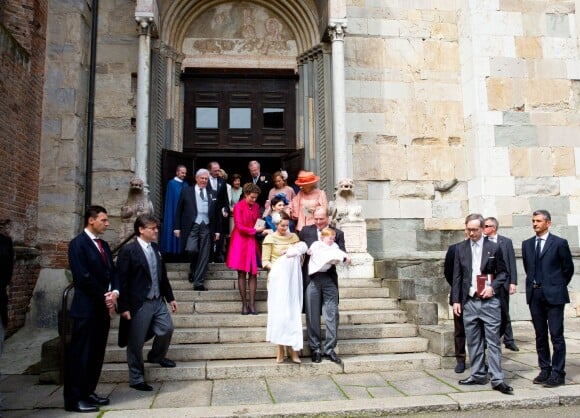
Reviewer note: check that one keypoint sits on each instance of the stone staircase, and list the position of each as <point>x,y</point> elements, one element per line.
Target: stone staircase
<point>213,341</point>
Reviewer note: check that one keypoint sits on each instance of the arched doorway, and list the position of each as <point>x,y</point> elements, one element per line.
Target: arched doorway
<point>247,80</point>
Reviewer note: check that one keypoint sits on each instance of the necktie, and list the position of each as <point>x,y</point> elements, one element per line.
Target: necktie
<point>201,194</point>
<point>101,250</point>
<point>538,264</point>
<point>152,261</point>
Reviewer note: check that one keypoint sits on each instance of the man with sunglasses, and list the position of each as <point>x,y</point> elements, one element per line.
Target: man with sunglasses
<point>490,227</point>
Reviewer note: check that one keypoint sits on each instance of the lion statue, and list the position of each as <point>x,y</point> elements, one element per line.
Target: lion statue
<point>344,207</point>
<point>137,203</point>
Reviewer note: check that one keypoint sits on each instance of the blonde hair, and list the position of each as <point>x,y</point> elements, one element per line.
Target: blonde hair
<point>327,232</point>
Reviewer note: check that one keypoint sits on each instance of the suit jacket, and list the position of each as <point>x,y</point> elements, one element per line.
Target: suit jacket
<point>509,257</point>
<point>448,266</point>
<point>222,194</point>
<point>135,281</point>
<point>186,212</point>
<point>264,183</point>
<point>309,234</point>
<point>92,278</point>
<point>557,268</point>
<point>491,263</point>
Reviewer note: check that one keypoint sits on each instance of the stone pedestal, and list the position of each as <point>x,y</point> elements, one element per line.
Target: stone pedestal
<point>362,263</point>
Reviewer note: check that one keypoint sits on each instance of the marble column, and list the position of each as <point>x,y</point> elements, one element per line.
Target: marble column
<point>143,87</point>
<point>336,31</point>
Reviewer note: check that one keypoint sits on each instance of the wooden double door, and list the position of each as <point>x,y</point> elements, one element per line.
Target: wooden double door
<point>235,116</point>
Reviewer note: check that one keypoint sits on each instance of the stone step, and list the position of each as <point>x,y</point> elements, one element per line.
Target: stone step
<point>224,283</point>
<point>228,351</point>
<point>262,306</point>
<point>256,368</point>
<point>216,320</point>
<point>187,294</point>
<point>258,334</point>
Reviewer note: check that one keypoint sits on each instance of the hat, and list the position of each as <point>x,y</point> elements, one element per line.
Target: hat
<point>307,177</point>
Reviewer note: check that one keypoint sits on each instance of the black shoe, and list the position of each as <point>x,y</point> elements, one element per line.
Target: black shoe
<point>505,389</point>
<point>459,367</point>
<point>542,377</point>
<point>97,400</point>
<point>512,347</point>
<point>165,362</point>
<point>81,406</point>
<point>201,288</point>
<point>473,381</point>
<point>142,387</point>
<point>553,382</point>
<point>190,279</point>
<point>316,357</point>
<point>333,357</point>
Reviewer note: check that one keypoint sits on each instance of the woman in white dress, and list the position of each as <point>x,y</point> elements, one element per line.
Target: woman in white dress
<point>281,253</point>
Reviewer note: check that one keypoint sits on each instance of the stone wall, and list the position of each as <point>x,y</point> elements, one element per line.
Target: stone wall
<point>462,107</point>
<point>22,41</point>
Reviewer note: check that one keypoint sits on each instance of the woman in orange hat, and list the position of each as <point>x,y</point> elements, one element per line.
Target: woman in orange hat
<point>307,200</point>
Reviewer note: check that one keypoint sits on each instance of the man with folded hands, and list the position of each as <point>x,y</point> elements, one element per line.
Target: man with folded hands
<point>479,272</point>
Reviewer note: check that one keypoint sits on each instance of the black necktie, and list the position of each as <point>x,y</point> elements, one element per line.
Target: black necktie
<point>538,264</point>
<point>201,194</point>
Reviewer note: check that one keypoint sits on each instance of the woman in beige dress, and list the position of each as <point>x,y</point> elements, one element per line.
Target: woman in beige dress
<point>307,200</point>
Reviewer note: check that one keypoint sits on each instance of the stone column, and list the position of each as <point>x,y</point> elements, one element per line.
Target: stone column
<point>336,32</point>
<point>143,87</point>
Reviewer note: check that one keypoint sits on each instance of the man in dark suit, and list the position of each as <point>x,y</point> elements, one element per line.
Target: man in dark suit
<point>6,267</point>
<point>506,246</point>
<point>478,274</point>
<point>219,186</point>
<point>549,268</point>
<point>260,179</point>
<point>96,289</point>
<point>458,328</point>
<point>197,218</point>
<point>145,292</point>
<point>321,293</point>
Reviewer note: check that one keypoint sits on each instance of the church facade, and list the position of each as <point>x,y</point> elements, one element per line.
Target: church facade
<point>436,108</point>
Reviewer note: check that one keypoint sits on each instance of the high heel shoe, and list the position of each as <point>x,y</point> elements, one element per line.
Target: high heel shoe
<point>252,311</point>
<point>280,354</point>
<point>294,355</point>
<point>246,310</point>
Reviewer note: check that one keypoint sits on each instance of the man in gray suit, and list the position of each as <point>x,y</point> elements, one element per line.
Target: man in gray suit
<point>475,295</point>
<point>143,302</point>
<point>506,246</point>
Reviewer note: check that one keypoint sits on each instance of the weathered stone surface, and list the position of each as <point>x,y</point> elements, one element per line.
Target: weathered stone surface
<point>534,186</point>
<point>441,340</point>
<point>528,47</point>
<point>421,313</point>
<point>564,163</point>
<point>519,136</point>
<point>239,392</point>
<point>558,136</point>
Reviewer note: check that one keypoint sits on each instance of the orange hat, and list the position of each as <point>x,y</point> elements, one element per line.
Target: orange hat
<point>307,177</point>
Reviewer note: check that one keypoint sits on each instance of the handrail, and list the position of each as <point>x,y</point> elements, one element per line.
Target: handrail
<point>63,327</point>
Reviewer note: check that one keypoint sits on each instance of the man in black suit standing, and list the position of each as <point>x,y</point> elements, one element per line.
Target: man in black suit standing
<point>458,328</point>
<point>95,295</point>
<point>478,274</point>
<point>6,267</point>
<point>145,292</point>
<point>506,246</point>
<point>549,268</point>
<point>219,186</point>
<point>198,222</point>
<point>262,180</point>
<point>321,293</point>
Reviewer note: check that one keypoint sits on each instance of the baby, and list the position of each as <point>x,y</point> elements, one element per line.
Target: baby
<point>325,253</point>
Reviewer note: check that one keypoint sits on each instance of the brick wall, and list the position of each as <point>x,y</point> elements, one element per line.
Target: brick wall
<point>22,53</point>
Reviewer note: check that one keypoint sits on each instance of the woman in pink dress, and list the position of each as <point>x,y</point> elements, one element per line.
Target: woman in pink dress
<point>307,200</point>
<point>244,250</point>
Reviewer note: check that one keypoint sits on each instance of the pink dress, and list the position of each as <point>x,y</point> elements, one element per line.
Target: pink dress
<point>303,205</point>
<point>244,251</point>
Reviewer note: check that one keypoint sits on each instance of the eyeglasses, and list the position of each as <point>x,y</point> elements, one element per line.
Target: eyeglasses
<point>489,226</point>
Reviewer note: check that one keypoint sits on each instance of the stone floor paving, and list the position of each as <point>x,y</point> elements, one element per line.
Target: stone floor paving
<point>361,394</point>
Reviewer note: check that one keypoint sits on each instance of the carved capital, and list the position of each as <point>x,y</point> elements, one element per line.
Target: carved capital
<point>337,30</point>
<point>145,24</point>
